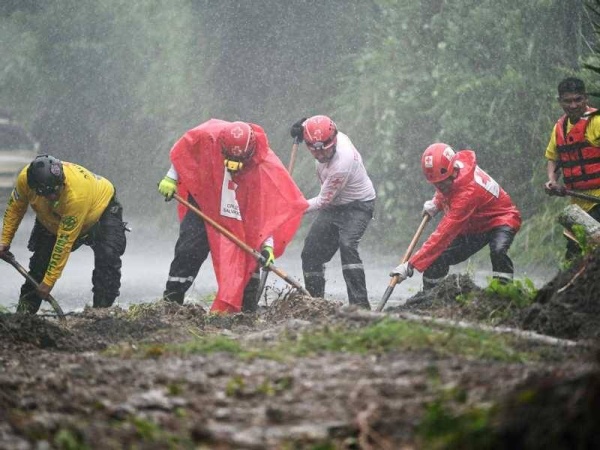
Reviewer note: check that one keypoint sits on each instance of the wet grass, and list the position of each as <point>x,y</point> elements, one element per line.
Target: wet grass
<point>386,335</point>
<point>397,335</point>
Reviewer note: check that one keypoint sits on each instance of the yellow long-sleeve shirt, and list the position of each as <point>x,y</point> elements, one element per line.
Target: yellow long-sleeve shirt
<point>592,135</point>
<point>82,201</point>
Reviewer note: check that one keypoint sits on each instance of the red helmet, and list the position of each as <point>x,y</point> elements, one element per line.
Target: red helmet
<point>320,131</point>
<point>437,162</point>
<point>237,141</point>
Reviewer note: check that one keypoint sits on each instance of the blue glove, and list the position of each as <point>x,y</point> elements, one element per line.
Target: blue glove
<point>268,257</point>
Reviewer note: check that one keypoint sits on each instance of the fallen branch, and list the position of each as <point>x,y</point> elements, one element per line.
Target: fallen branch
<point>572,280</point>
<point>528,335</point>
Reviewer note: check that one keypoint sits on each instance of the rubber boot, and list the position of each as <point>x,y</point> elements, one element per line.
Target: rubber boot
<point>250,300</point>
<point>29,302</point>
<point>103,301</point>
<point>315,285</point>
<point>362,303</point>
<point>175,297</point>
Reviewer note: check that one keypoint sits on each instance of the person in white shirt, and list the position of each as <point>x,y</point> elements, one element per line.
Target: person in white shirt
<point>344,204</point>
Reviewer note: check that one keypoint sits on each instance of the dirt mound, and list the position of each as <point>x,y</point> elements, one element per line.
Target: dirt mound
<point>551,413</point>
<point>298,306</point>
<point>32,330</point>
<point>95,329</point>
<point>443,295</point>
<point>569,305</point>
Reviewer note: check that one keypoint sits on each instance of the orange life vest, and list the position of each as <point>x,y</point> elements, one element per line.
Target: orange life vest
<point>578,159</point>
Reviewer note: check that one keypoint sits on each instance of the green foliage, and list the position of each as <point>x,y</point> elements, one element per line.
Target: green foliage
<point>441,428</point>
<point>488,86</point>
<point>540,242</point>
<point>520,292</point>
<point>235,386</point>
<point>150,431</point>
<point>66,439</point>
<point>582,239</point>
<point>208,344</point>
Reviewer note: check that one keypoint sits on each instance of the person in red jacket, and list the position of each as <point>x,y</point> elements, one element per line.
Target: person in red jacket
<point>228,170</point>
<point>477,212</point>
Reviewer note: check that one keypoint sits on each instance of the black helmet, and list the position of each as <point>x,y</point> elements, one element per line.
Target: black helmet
<point>45,175</point>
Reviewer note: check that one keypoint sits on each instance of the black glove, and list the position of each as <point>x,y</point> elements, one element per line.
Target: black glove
<point>297,130</point>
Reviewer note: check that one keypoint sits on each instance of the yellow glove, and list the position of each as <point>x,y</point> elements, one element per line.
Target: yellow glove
<point>268,257</point>
<point>167,187</point>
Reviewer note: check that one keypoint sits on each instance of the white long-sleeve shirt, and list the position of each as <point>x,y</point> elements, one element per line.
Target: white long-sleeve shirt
<point>344,178</point>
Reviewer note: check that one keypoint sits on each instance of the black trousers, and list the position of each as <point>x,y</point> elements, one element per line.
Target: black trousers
<point>191,250</point>
<point>499,241</point>
<point>573,249</point>
<point>107,240</point>
<point>338,227</point>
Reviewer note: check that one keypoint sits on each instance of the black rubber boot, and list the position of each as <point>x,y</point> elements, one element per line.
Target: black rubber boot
<point>29,302</point>
<point>315,286</point>
<point>250,300</point>
<point>103,301</point>
<point>364,304</point>
<point>175,297</point>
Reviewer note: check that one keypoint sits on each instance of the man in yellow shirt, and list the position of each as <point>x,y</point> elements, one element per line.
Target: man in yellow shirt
<point>574,148</point>
<point>73,207</point>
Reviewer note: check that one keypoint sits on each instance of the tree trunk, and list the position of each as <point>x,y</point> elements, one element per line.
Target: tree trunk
<point>574,215</point>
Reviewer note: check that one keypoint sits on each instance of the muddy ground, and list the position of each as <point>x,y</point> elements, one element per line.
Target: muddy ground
<point>161,376</point>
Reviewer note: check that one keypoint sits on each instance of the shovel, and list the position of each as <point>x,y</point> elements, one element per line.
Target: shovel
<point>10,258</point>
<point>293,155</point>
<point>562,191</point>
<point>265,271</point>
<point>241,244</point>
<point>261,285</point>
<point>396,279</point>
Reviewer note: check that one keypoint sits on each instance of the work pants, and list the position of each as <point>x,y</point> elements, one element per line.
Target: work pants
<point>498,239</point>
<point>191,250</point>
<point>107,240</point>
<point>338,227</point>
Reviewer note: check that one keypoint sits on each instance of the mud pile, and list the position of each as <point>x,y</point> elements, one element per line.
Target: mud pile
<point>569,306</point>
<point>551,413</point>
<point>297,306</point>
<point>96,329</point>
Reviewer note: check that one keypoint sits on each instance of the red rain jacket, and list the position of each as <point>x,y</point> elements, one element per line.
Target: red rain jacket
<point>269,201</point>
<point>475,204</point>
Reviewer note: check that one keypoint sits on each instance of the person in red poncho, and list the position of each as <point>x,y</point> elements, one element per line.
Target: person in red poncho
<point>477,212</point>
<point>228,170</point>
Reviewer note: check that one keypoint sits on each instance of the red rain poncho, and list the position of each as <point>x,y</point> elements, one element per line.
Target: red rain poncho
<point>269,202</point>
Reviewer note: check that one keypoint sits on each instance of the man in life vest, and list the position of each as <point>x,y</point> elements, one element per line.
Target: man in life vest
<point>574,149</point>
<point>73,207</point>
<point>228,170</point>
<point>477,212</point>
<point>344,208</point>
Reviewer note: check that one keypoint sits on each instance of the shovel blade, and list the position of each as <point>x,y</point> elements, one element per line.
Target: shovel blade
<point>384,299</point>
